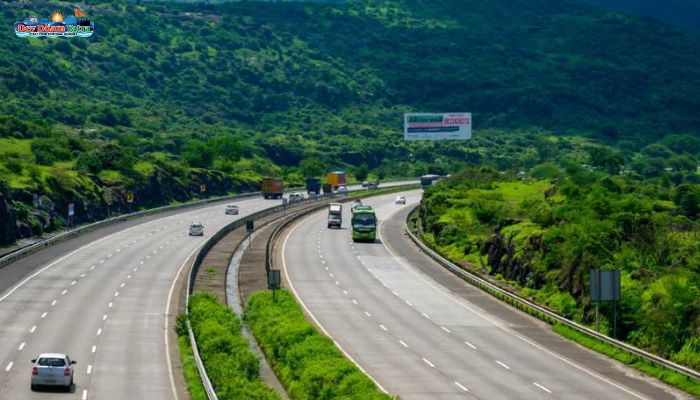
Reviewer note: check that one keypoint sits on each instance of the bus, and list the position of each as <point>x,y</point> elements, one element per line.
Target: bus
<point>364,224</point>
<point>427,180</point>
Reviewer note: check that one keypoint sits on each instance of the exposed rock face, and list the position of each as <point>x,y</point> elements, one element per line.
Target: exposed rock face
<point>8,222</point>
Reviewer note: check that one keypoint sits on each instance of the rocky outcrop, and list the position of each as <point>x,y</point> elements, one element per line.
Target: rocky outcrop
<point>8,222</point>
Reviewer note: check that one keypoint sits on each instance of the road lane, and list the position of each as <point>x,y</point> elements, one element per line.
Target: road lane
<point>454,344</point>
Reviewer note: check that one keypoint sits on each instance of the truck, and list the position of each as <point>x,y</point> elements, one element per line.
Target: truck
<point>313,185</point>
<point>272,188</point>
<point>364,224</point>
<point>336,179</point>
<point>335,215</point>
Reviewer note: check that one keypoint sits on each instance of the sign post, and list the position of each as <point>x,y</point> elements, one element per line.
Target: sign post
<point>274,280</point>
<point>605,286</point>
<point>71,213</point>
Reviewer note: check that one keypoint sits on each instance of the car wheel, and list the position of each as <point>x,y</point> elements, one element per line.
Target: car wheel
<point>33,388</point>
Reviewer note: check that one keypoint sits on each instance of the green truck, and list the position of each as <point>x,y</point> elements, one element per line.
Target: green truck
<point>364,224</point>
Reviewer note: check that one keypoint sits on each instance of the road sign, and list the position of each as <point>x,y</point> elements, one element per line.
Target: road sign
<point>71,209</point>
<point>440,126</point>
<point>605,284</point>
<point>202,187</point>
<point>129,197</point>
<point>274,279</point>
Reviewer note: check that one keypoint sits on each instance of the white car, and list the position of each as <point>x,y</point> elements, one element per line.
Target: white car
<point>196,229</point>
<point>231,209</point>
<point>296,196</point>
<point>342,189</point>
<point>52,369</point>
<point>400,200</point>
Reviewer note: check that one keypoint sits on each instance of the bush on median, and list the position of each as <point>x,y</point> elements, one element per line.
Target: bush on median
<point>233,369</point>
<point>309,365</point>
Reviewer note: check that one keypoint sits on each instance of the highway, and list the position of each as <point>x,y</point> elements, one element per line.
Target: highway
<point>102,299</point>
<point>414,337</point>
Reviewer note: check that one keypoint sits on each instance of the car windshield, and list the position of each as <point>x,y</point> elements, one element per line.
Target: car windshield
<point>51,362</point>
<point>364,220</point>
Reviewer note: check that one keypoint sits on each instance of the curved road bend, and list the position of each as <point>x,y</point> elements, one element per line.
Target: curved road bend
<point>413,336</point>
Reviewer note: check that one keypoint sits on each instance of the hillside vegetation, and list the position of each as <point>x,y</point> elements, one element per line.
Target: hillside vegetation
<point>165,97</point>
<point>684,13</point>
<point>542,233</point>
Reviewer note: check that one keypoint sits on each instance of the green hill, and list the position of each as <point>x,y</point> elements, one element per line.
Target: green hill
<point>684,13</point>
<point>172,95</point>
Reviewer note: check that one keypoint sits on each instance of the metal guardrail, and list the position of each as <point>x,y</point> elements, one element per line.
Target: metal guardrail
<point>544,314</point>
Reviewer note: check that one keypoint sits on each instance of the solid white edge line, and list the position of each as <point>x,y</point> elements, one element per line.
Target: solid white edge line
<point>461,302</point>
<point>313,317</point>
<point>167,313</point>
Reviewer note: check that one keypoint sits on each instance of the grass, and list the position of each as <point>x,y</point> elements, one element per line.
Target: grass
<point>689,385</point>
<point>194,383</point>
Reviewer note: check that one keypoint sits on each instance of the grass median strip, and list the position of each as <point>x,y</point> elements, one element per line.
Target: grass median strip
<point>307,362</point>
<point>233,369</point>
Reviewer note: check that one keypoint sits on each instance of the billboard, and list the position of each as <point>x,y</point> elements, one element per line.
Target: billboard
<point>437,126</point>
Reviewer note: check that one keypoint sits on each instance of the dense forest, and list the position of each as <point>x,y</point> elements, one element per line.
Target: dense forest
<point>166,96</point>
<point>541,232</point>
<point>684,13</point>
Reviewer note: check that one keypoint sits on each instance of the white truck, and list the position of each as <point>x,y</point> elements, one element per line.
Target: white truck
<point>335,215</point>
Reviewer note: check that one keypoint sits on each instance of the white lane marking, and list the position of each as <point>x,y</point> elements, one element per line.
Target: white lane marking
<point>383,328</point>
<point>141,263</point>
<point>53,303</point>
<point>73,283</point>
<point>104,317</point>
<point>345,292</point>
<point>118,250</point>
<point>337,283</point>
<point>92,268</point>
<point>323,262</point>
<point>44,315</point>
<point>89,369</point>
<point>122,285</point>
<point>99,332</point>
<point>470,345</point>
<point>148,256</point>
<point>502,365</point>
<point>82,275</point>
<point>116,294</point>
<point>109,255</point>
<point>63,293</point>
<point>166,330</point>
<point>136,269</point>
<point>368,314</point>
<point>9,366</point>
<point>395,294</point>
<point>94,349</point>
<point>409,303</point>
<point>428,362</point>
<point>426,315</point>
<point>84,397</point>
<point>461,303</point>
<point>459,385</point>
<point>403,343</point>
<point>101,261</point>
<point>354,302</point>
<point>33,329</point>
<point>21,346</point>
<point>110,305</point>
<point>128,277</point>
<point>331,274</point>
<point>542,387</point>
<point>313,317</point>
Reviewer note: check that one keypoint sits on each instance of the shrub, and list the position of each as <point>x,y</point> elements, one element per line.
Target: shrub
<point>308,363</point>
<point>232,367</point>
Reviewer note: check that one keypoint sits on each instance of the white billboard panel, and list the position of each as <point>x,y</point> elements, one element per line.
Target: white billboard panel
<point>437,126</point>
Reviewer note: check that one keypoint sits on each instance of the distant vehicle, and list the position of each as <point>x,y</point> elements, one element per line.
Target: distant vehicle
<point>231,209</point>
<point>272,188</point>
<point>52,369</point>
<point>335,215</point>
<point>427,180</point>
<point>355,204</point>
<point>400,200</point>
<point>364,224</point>
<point>313,185</point>
<point>342,189</point>
<point>374,185</point>
<point>196,229</point>
<point>327,188</point>
<point>336,179</point>
<point>296,196</point>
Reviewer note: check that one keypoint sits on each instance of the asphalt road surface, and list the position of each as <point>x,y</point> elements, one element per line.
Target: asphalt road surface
<point>102,298</point>
<point>415,338</point>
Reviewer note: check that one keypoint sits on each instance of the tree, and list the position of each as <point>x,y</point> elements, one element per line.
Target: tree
<point>687,200</point>
<point>606,159</point>
<point>311,167</point>
<point>361,172</point>
<point>197,154</point>
<point>225,147</point>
